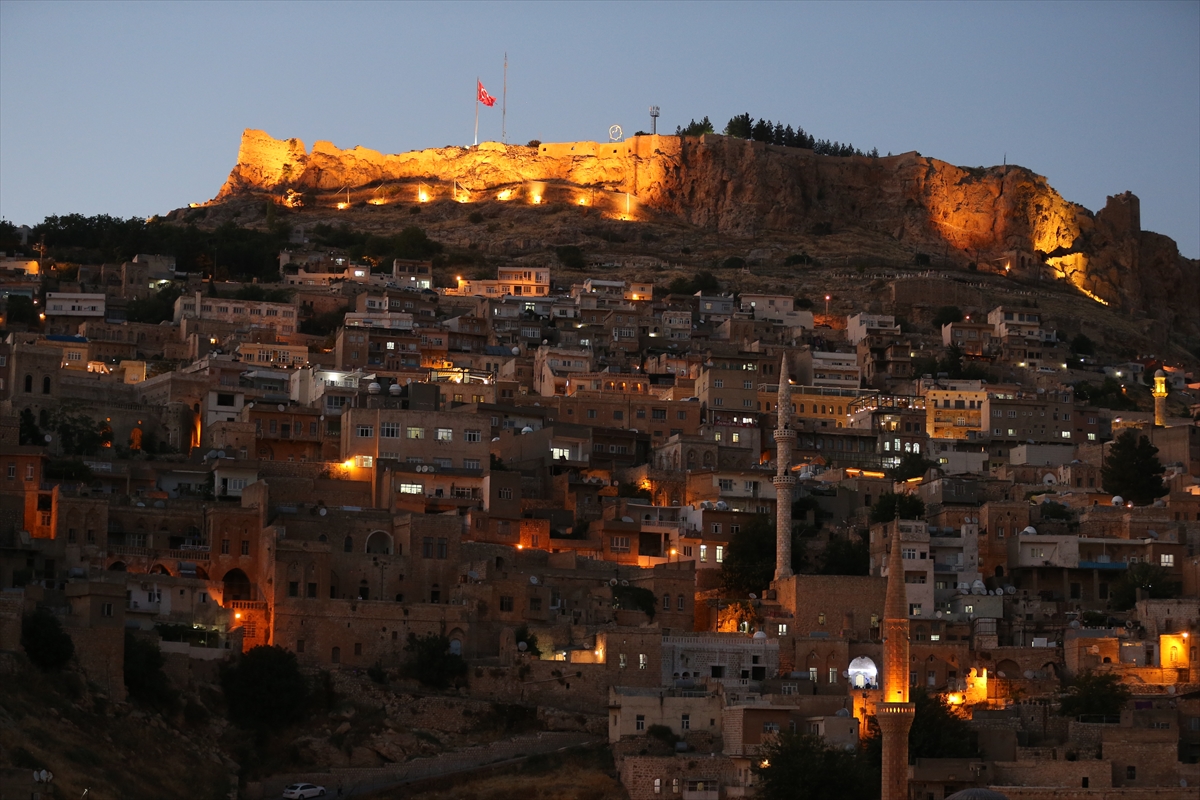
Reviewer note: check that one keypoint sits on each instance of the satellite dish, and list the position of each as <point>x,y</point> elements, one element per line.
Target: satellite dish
<point>1029,529</point>
<point>1010,590</point>
<point>220,454</point>
<point>516,351</point>
<point>612,581</point>
<point>495,438</point>
<point>1170,688</point>
<point>322,511</point>
<point>211,454</point>
<point>624,583</point>
<point>1118,501</point>
<point>753,596</point>
<point>1029,674</point>
<point>522,646</point>
<point>533,579</point>
<point>1074,623</point>
<point>281,407</point>
<point>473,575</point>
<point>1001,674</point>
<point>626,519</point>
<point>938,614</point>
<point>48,438</point>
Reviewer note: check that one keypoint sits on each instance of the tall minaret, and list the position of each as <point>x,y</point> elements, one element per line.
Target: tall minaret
<point>895,714</point>
<point>785,436</point>
<point>1160,398</point>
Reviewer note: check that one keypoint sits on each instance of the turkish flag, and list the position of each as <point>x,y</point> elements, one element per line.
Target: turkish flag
<point>484,97</point>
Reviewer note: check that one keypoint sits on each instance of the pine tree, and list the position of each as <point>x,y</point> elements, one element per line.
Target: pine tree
<point>741,126</point>
<point>1132,469</point>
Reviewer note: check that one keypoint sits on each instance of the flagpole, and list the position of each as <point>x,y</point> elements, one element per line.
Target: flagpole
<point>477,110</point>
<point>504,105</point>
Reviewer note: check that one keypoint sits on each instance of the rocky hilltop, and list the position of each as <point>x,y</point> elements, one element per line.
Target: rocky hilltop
<point>997,217</point>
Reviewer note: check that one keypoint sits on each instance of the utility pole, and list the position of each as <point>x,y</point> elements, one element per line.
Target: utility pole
<point>504,105</point>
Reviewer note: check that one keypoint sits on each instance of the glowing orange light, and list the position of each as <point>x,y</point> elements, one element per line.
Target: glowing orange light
<point>537,199</point>
<point>237,615</point>
<point>343,206</point>
<point>505,195</point>
<point>378,201</point>
<point>583,201</point>
<point>520,547</point>
<point>423,197</point>
<point>348,463</point>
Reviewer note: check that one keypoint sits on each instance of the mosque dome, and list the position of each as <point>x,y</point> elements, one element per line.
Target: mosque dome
<point>976,793</point>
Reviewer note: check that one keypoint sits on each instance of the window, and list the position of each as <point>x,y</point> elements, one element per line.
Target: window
<point>427,547</point>
<point>1167,559</point>
<point>505,494</point>
<point>506,603</point>
<point>245,547</point>
<point>293,588</point>
<point>389,430</point>
<point>1131,773</point>
<point>640,722</point>
<point>914,609</point>
<point>472,435</point>
<point>415,433</point>
<point>725,484</point>
<point>643,662</point>
<point>703,554</point>
<point>443,548</point>
<point>720,554</point>
<point>364,431</point>
<point>619,544</point>
<point>681,602</point>
<point>716,528</point>
<point>411,488</point>
<point>471,463</point>
<point>224,547</point>
<point>445,435</point>
<point>620,658</point>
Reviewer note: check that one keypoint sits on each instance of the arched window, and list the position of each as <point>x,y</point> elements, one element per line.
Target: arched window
<point>46,385</point>
<point>336,655</point>
<point>681,602</point>
<point>348,544</point>
<point>363,592</point>
<point>28,384</point>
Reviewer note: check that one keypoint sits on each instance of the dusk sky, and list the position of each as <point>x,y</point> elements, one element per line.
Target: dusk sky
<point>137,108</point>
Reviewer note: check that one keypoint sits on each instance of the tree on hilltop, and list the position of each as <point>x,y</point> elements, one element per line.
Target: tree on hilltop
<point>694,128</point>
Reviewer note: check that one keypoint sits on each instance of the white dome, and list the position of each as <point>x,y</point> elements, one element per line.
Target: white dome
<point>1030,530</point>
<point>374,388</point>
<point>394,390</point>
<point>760,634</point>
<point>1118,501</point>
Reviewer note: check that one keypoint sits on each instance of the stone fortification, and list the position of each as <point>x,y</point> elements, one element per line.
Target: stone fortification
<point>991,215</point>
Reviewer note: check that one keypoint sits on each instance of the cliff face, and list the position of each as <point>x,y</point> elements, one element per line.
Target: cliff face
<point>997,215</point>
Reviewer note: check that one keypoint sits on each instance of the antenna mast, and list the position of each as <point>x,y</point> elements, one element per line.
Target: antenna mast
<point>504,105</point>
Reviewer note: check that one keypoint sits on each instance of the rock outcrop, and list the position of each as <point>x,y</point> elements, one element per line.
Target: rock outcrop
<point>997,215</point>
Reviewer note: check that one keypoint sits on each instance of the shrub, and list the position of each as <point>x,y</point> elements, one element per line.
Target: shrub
<point>475,218</point>
<point>144,676</point>
<point>46,643</point>
<point>431,662</point>
<point>265,688</point>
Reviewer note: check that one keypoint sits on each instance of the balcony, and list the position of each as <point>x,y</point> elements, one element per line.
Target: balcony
<point>1110,565</point>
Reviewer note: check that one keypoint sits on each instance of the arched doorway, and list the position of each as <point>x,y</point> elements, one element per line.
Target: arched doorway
<point>863,674</point>
<point>379,543</point>
<point>159,569</point>
<point>117,566</point>
<point>237,586</point>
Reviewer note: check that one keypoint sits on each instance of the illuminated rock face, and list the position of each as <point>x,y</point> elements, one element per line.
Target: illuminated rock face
<point>736,186</point>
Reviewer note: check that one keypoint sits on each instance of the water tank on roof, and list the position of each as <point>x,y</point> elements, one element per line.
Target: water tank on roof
<point>394,390</point>
<point>374,388</point>
<point>722,505</point>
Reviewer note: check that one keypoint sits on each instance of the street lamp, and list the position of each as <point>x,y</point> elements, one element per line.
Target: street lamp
<point>827,305</point>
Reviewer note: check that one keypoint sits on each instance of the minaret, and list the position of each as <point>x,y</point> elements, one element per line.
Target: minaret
<point>895,714</point>
<point>785,437</point>
<point>1160,399</point>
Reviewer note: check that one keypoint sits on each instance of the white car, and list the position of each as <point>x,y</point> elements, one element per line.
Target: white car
<point>303,791</point>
